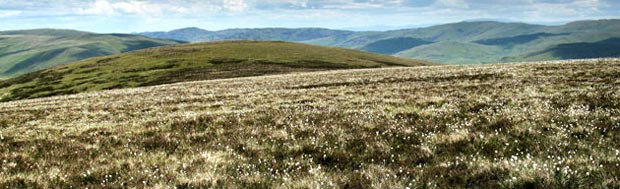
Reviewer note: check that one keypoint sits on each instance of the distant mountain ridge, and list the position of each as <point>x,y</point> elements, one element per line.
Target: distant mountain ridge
<point>194,34</point>
<point>457,43</point>
<point>25,51</point>
<point>186,34</point>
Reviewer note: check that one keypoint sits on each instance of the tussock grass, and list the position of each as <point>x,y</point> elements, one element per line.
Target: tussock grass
<point>542,125</point>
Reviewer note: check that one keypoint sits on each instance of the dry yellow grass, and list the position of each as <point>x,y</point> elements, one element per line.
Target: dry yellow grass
<point>554,124</point>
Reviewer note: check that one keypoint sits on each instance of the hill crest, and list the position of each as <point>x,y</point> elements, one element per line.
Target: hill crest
<point>191,62</point>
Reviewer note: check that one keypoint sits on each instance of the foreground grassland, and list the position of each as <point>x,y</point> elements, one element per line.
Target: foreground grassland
<point>543,125</point>
<point>190,62</point>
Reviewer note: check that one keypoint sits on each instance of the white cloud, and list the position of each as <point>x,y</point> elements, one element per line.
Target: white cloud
<point>104,7</point>
<point>362,5</point>
<point>235,5</point>
<point>452,3</point>
<point>578,9</point>
<point>5,14</point>
<point>99,7</point>
<point>143,15</point>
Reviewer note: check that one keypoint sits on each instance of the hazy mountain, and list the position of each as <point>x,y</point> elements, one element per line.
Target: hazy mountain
<point>30,50</point>
<point>456,43</point>
<point>385,27</point>
<point>185,34</point>
<point>267,34</point>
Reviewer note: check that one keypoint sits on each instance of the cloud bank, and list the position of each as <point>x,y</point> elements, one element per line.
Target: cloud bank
<point>150,15</point>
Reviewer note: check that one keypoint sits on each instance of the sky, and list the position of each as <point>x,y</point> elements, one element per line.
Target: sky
<point>127,16</point>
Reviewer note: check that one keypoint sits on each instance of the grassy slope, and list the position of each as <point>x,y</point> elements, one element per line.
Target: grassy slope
<point>538,49</point>
<point>515,48</point>
<point>461,32</point>
<point>454,52</point>
<point>569,47</point>
<point>607,48</point>
<point>31,50</point>
<point>189,63</point>
<point>551,125</point>
<point>489,36</point>
<point>395,45</point>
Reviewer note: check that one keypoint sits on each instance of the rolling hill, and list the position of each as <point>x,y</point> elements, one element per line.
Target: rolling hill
<point>394,45</point>
<point>533,125</point>
<point>454,52</point>
<point>605,48</point>
<point>266,34</point>
<point>190,62</point>
<point>31,50</point>
<point>489,41</point>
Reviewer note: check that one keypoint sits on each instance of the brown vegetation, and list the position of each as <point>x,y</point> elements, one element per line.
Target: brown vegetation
<point>543,125</point>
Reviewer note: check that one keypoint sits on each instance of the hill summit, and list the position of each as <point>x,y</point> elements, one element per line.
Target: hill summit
<point>190,62</point>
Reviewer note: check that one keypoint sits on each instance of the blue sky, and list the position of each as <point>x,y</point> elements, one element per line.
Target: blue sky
<point>125,16</point>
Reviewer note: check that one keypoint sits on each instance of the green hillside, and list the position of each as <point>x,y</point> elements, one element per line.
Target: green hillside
<point>31,50</point>
<point>573,40</point>
<point>394,45</point>
<point>190,62</point>
<point>461,32</point>
<point>604,48</point>
<point>489,42</point>
<point>517,40</point>
<point>454,52</point>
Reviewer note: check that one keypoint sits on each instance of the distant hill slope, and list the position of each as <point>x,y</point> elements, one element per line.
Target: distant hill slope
<point>191,62</point>
<point>31,50</point>
<point>185,34</point>
<point>454,52</point>
<point>266,34</point>
<point>605,48</point>
<point>394,45</point>
<point>495,41</point>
